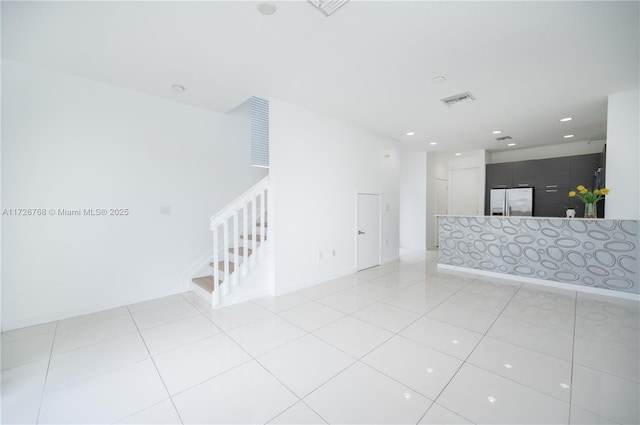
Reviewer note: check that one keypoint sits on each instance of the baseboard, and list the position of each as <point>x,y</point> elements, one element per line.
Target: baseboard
<point>316,282</point>
<point>390,260</point>
<point>550,283</point>
<point>61,315</point>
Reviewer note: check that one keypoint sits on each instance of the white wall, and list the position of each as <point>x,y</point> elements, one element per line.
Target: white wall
<point>553,151</point>
<point>475,160</point>
<point>623,156</point>
<point>72,143</point>
<point>437,168</point>
<point>413,200</point>
<point>318,164</point>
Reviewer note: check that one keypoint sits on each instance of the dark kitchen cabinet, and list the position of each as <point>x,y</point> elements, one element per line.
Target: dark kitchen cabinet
<point>500,176</point>
<point>551,202</point>
<point>524,174</point>
<point>552,179</point>
<point>552,173</point>
<point>582,170</point>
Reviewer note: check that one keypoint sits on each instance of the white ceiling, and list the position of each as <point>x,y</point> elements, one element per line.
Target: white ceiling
<point>371,64</point>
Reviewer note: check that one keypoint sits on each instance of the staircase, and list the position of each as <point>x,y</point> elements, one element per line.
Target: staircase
<point>238,269</point>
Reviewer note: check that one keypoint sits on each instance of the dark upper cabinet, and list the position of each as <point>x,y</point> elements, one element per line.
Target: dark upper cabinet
<point>500,175</point>
<point>524,173</point>
<point>552,173</point>
<point>582,170</point>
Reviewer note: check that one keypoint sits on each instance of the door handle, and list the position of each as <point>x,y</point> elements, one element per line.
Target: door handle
<point>360,232</point>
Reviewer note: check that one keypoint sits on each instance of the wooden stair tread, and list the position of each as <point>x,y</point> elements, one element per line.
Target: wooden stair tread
<point>241,251</point>
<point>232,266</point>
<point>205,282</point>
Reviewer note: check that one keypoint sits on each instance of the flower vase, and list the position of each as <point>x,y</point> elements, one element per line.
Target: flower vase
<point>590,210</point>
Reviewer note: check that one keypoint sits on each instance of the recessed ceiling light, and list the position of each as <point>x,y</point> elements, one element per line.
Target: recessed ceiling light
<point>568,136</point>
<point>438,80</point>
<point>511,144</point>
<point>178,88</point>
<point>411,133</point>
<point>508,366</point>
<point>497,132</point>
<point>491,399</point>
<point>565,386</point>
<point>566,119</point>
<point>458,153</point>
<point>433,143</point>
<point>266,7</point>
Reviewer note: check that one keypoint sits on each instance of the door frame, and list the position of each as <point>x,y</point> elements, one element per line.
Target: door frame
<point>379,195</point>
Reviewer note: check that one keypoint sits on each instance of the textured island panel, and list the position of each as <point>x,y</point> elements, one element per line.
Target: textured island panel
<point>595,253</point>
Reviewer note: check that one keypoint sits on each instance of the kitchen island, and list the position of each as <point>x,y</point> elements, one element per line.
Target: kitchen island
<point>594,255</point>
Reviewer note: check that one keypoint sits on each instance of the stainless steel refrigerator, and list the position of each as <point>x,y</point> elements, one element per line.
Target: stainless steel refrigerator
<point>512,202</point>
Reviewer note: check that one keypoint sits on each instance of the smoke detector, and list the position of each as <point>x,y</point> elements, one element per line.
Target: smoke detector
<point>452,100</point>
<point>327,7</point>
<point>500,139</point>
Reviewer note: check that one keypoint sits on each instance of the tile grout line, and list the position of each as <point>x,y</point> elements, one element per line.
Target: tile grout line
<point>46,376</point>
<point>464,362</point>
<point>573,353</point>
<point>157,371</point>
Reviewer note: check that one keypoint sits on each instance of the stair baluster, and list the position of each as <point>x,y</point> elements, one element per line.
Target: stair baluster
<point>236,256</point>
<point>263,208</point>
<point>254,227</point>
<point>225,230</point>
<point>216,268</point>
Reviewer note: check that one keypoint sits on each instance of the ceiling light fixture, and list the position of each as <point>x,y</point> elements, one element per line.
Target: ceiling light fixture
<point>568,136</point>
<point>411,133</point>
<point>328,7</point>
<point>497,132</point>
<point>511,144</point>
<point>458,153</point>
<point>433,143</point>
<point>566,119</point>
<point>178,88</point>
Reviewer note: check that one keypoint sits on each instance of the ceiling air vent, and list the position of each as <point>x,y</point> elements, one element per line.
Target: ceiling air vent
<point>327,7</point>
<point>500,139</point>
<point>458,98</point>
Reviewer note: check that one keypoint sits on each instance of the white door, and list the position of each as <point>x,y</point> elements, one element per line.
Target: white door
<point>442,200</point>
<point>368,242</point>
<point>465,191</point>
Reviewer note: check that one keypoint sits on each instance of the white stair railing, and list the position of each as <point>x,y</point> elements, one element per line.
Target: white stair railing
<point>228,228</point>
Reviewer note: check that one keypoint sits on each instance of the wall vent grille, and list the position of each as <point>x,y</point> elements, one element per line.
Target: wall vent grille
<point>259,132</point>
<point>452,100</point>
<point>327,7</point>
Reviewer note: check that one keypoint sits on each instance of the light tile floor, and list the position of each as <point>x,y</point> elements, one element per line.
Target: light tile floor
<point>399,343</point>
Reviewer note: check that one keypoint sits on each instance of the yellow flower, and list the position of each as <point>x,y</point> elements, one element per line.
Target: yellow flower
<point>597,191</point>
<point>581,188</point>
<point>572,194</point>
<point>604,191</point>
